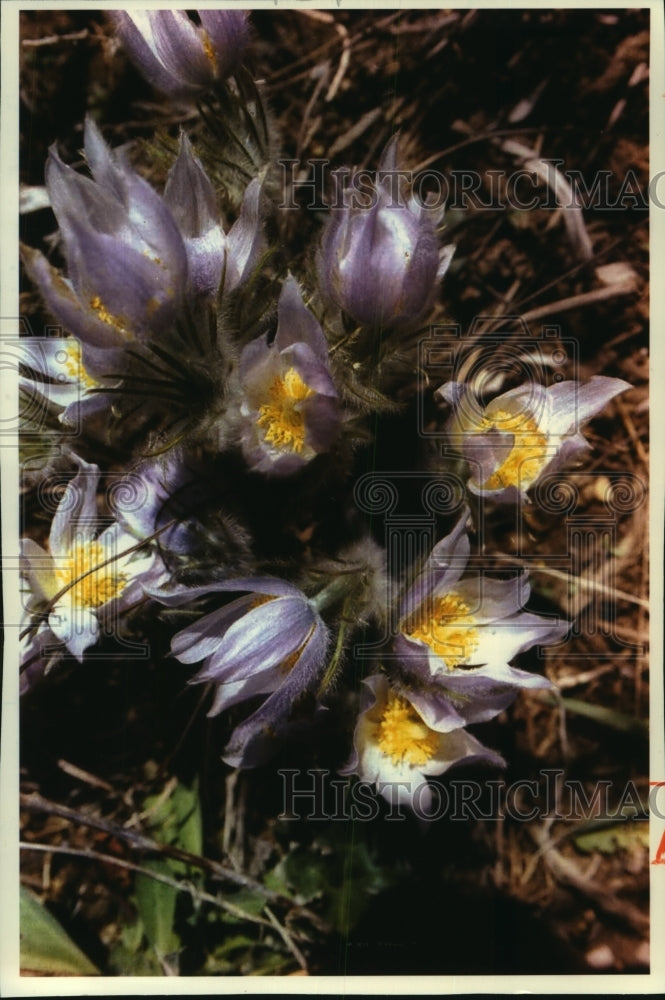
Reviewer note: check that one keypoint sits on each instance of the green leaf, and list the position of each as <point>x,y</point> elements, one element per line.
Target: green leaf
<point>174,820</point>
<point>624,835</point>
<point>45,947</point>
<point>599,713</point>
<point>156,904</point>
<point>251,903</point>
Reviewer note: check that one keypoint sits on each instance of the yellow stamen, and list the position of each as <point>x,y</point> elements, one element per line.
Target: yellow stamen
<point>528,454</point>
<point>281,419</point>
<point>89,589</point>
<point>449,629</point>
<point>73,365</point>
<point>209,50</point>
<point>117,322</point>
<point>402,735</point>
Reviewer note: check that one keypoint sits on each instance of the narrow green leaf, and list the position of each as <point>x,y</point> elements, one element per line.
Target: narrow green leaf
<point>156,904</point>
<point>599,713</point>
<point>45,947</point>
<point>610,839</point>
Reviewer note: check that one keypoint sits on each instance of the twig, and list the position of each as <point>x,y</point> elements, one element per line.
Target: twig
<point>81,775</point>
<point>575,301</point>
<point>35,803</point>
<point>74,36</point>
<point>286,938</point>
<point>632,433</point>
<point>343,61</point>
<point>180,886</point>
<point>566,871</point>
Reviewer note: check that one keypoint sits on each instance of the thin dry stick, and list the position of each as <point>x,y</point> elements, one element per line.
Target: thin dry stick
<point>567,872</point>
<point>180,886</point>
<point>286,938</point>
<point>35,803</point>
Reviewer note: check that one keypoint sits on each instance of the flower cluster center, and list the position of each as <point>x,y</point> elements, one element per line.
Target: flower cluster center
<point>281,418</point>
<point>403,736</point>
<point>89,587</point>
<point>528,454</point>
<point>449,629</point>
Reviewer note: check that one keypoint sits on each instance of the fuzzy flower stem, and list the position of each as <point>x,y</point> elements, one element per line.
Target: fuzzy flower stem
<point>331,594</point>
<point>331,670</point>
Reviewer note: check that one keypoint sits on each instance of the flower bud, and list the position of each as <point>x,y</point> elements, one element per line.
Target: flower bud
<point>126,260</point>
<point>211,252</point>
<point>175,55</point>
<point>380,263</point>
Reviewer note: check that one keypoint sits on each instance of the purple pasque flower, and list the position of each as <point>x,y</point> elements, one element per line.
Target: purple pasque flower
<point>125,256</point>
<point>177,56</point>
<point>212,253</point>
<point>289,410</point>
<point>519,435</point>
<point>270,641</point>
<point>54,369</point>
<point>86,578</point>
<point>458,635</point>
<point>380,263</point>
<point>396,748</point>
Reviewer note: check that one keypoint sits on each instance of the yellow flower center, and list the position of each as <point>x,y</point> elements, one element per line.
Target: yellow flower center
<point>281,419</point>
<point>105,316</point>
<point>449,629</point>
<point>89,587</point>
<point>402,735</point>
<point>528,454</point>
<point>74,367</point>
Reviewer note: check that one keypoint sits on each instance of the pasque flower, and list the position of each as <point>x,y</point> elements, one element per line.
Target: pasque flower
<point>289,411</point>
<point>396,748</point>
<point>177,56</point>
<point>212,253</point>
<point>510,442</point>
<point>458,635</point>
<point>53,367</point>
<point>125,256</point>
<point>380,262</point>
<point>86,578</point>
<point>269,641</point>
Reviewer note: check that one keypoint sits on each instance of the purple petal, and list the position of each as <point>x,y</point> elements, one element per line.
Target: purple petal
<point>76,518</point>
<point>189,194</point>
<point>490,600</point>
<point>77,627</point>
<point>296,324</point>
<point>502,642</point>
<point>132,29</point>
<point>445,565</point>
<point>229,32</point>
<point>246,238</point>
<point>256,739</point>
<point>573,403</point>
<point>38,569</point>
<point>65,305</point>
<point>262,638</point>
<point>138,292</point>
<point>486,452</point>
<point>178,44</point>
<point>201,639</point>
<point>227,695</point>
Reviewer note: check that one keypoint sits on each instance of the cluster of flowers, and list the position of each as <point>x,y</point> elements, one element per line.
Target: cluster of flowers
<point>150,282</point>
